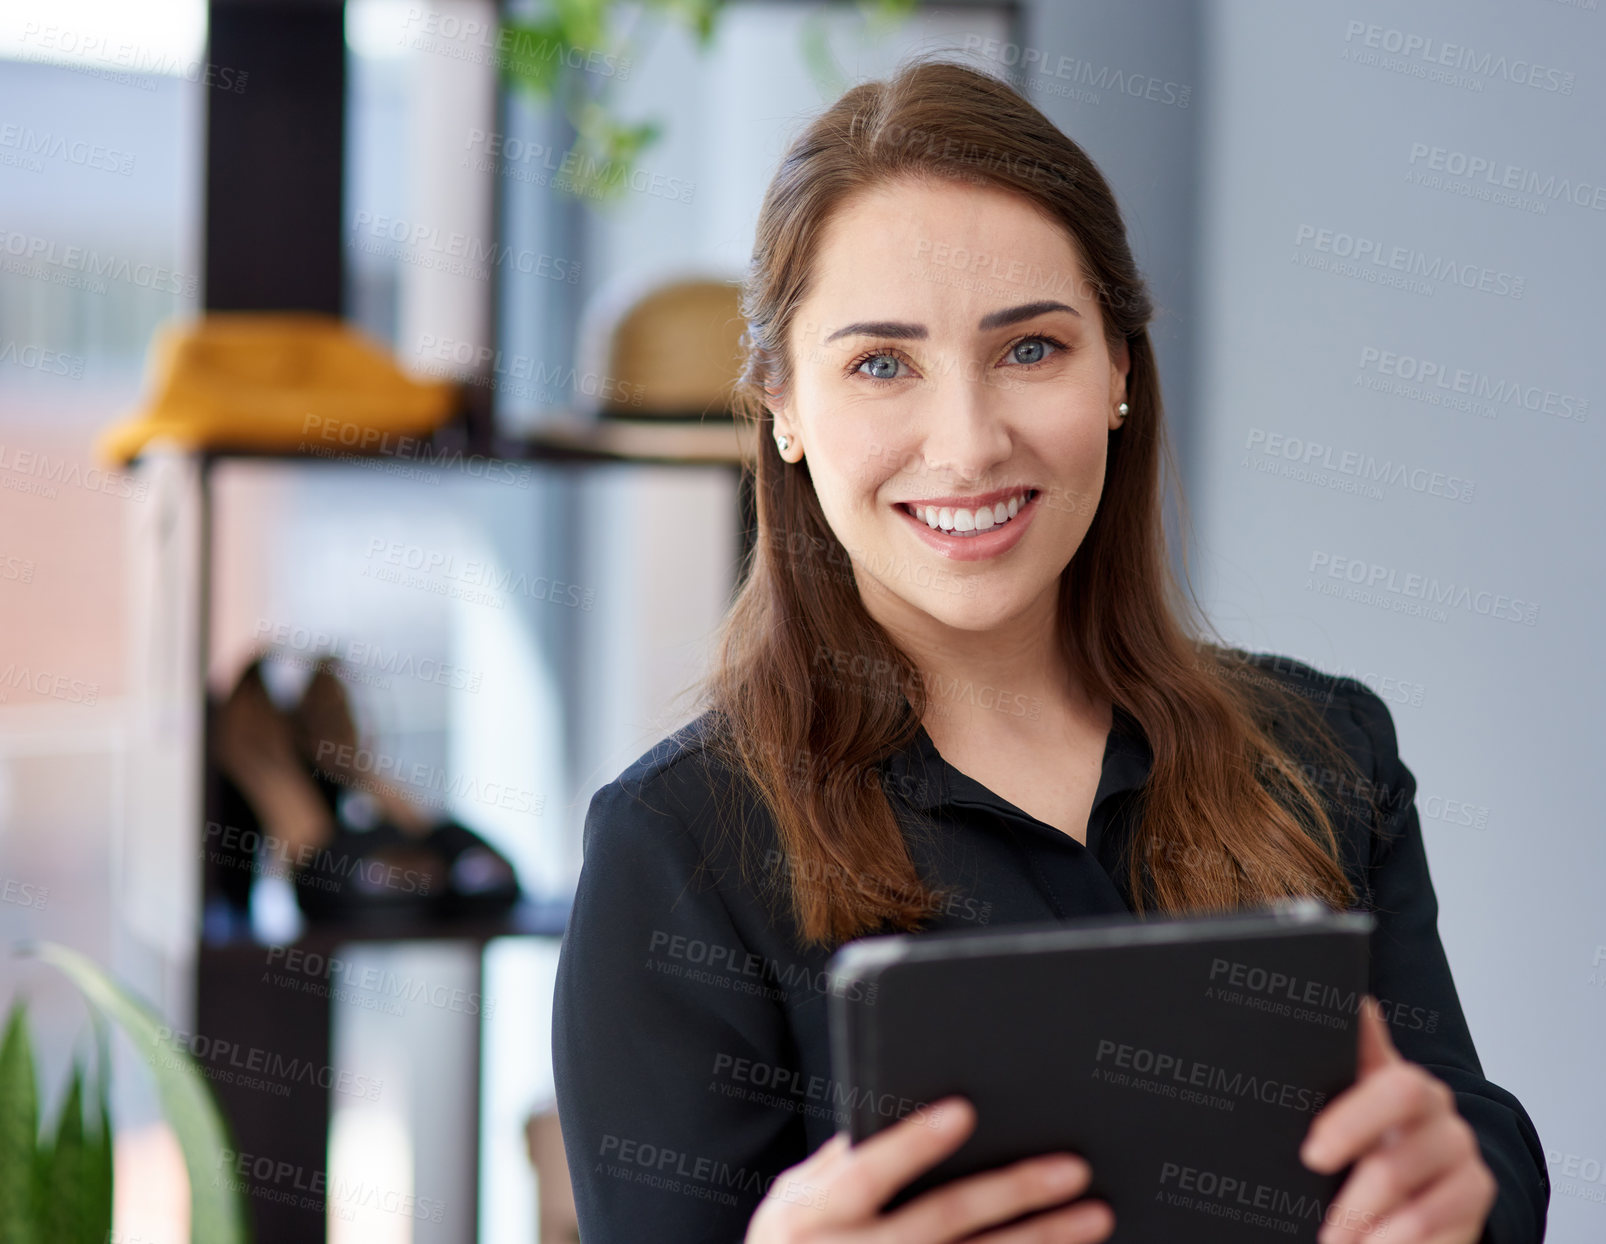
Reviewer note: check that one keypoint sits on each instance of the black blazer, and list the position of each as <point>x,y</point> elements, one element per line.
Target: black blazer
<point>689,1030</point>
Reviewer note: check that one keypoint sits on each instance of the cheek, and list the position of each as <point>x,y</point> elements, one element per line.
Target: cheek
<point>1076,445</point>
<point>851,462</point>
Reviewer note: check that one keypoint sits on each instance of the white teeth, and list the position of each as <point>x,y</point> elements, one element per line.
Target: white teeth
<point>984,518</point>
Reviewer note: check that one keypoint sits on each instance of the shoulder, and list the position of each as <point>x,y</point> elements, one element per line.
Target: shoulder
<point>1355,715</point>
<point>679,787</point>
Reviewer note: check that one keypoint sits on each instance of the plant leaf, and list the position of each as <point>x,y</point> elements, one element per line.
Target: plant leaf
<point>96,1192</point>
<point>19,1132</point>
<point>61,1172</point>
<point>216,1214</point>
<point>535,55</point>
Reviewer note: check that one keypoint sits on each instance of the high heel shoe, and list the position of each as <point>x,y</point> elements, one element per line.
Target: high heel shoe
<point>410,859</point>
<point>272,813</point>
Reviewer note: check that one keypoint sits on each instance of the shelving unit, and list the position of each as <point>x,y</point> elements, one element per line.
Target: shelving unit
<point>242,999</point>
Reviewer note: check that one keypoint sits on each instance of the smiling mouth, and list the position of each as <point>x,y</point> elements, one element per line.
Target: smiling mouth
<point>954,521</point>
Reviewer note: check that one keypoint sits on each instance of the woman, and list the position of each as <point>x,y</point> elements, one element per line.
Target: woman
<point>956,690</point>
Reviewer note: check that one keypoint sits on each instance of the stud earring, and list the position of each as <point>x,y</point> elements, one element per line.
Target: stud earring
<point>1121,410</point>
<point>783,442</point>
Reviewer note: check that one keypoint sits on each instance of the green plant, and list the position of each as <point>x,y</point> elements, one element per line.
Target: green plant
<point>575,55</point>
<point>56,1187</point>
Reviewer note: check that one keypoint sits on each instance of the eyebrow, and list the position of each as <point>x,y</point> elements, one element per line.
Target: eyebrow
<point>900,331</point>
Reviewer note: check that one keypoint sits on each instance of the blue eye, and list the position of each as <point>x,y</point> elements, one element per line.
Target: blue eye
<point>886,366</point>
<point>1031,350</point>
<point>881,366</point>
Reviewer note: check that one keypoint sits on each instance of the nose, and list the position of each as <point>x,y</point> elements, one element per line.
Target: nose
<point>965,434</point>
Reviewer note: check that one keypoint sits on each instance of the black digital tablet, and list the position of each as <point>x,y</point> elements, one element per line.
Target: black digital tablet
<point>1184,1059</point>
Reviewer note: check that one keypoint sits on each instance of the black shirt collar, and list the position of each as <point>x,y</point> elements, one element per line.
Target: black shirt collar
<point>923,779</point>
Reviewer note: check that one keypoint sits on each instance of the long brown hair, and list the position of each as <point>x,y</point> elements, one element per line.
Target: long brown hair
<point>1228,816</point>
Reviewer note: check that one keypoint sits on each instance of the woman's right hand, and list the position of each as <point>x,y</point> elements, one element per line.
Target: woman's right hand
<point>835,1195</point>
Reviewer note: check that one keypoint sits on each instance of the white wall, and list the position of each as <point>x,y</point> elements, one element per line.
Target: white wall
<point>1498,715</point>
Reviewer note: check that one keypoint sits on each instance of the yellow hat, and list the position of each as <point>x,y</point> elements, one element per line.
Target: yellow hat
<point>260,380</point>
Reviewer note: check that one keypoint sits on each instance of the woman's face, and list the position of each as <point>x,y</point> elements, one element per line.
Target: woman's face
<point>952,394</point>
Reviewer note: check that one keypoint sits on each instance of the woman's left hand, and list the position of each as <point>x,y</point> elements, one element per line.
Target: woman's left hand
<point>1419,1177</point>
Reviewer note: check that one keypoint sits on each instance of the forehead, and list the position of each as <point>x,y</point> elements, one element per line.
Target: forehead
<point>942,251</point>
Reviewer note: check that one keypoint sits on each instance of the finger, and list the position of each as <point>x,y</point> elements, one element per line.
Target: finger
<point>874,1169</point>
<point>958,1209</point>
<point>1390,1175</point>
<point>827,1156</point>
<point>1448,1212</point>
<point>1086,1222</point>
<point>1376,1046</point>
<point>1354,1122</point>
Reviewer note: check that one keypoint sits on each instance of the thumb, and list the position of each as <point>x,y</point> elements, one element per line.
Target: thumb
<point>1376,1046</point>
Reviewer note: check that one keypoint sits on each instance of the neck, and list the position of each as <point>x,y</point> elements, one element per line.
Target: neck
<point>1011,677</point>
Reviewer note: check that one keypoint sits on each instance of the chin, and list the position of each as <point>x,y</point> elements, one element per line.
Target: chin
<point>975,609</point>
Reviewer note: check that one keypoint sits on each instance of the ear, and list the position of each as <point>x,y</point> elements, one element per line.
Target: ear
<point>1120,366</point>
<point>780,411</point>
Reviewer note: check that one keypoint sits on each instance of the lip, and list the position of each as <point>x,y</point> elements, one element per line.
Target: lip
<point>991,543</point>
<point>974,500</point>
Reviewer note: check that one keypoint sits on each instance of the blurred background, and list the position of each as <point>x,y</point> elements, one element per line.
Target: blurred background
<point>1377,240</point>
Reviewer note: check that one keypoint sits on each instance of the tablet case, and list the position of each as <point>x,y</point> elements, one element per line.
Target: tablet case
<point>1183,1058</point>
